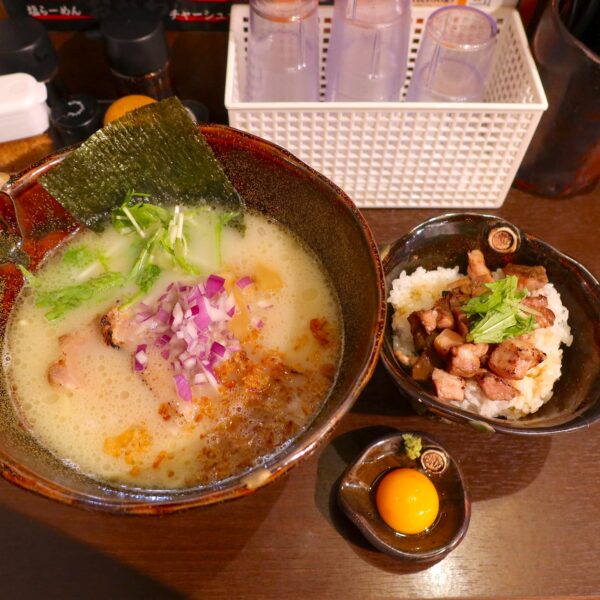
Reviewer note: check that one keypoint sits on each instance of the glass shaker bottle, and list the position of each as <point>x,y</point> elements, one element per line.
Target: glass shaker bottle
<point>283,51</point>
<point>368,52</point>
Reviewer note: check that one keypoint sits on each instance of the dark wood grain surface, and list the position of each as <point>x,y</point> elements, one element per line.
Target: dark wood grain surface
<point>535,528</point>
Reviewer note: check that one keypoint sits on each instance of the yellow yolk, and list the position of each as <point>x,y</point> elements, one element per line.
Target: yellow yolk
<point>407,500</point>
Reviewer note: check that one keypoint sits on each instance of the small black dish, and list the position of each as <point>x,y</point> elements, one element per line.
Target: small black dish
<point>443,242</point>
<point>356,496</point>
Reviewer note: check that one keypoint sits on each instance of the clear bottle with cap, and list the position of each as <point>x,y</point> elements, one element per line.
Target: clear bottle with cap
<point>26,48</point>
<point>137,52</point>
<point>283,51</point>
<point>368,52</point>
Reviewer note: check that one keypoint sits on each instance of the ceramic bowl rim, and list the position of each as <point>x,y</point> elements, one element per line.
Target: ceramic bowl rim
<point>21,476</point>
<point>415,391</point>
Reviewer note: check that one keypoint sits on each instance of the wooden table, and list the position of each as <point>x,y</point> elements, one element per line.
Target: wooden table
<point>535,529</point>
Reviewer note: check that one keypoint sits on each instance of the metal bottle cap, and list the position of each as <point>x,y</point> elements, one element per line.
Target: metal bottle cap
<point>26,48</point>
<point>135,41</point>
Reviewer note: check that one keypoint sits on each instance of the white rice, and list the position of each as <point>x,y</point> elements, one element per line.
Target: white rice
<point>422,288</point>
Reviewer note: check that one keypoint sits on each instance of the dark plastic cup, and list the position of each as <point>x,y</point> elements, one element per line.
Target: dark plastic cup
<point>564,156</point>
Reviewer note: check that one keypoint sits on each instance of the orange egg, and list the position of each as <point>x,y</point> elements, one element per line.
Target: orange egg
<point>124,105</point>
<point>407,500</point>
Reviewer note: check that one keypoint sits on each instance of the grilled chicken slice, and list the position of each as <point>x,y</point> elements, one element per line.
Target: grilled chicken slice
<point>513,358</point>
<point>445,318</point>
<point>461,321</point>
<point>447,386</point>
<point>494,387</point>
<point>428,319</point>
<point>465,359</point>
<point>477,269</point>
<point>532,278</point>
<point>65,371</point>
<point>421,338</point>
<point>544,317</point>
<point>120,330</point>
<point>464,286</point>
<point>423,368</point>
<point>446,340</point>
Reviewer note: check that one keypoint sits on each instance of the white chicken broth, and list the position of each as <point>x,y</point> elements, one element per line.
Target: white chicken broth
<point>189,376</point>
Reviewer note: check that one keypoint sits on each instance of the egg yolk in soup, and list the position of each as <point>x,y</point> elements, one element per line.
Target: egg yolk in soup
<point>407,501</point>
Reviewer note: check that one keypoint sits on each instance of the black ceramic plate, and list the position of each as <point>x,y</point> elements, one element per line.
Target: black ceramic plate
<point>357,491</point>
<point>444,242</point>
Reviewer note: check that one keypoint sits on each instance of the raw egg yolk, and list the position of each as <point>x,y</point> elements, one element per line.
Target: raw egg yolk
<point>407,500</point>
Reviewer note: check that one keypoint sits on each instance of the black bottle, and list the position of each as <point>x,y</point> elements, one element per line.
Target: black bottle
<point>26,48</point>
<point>137,52</point>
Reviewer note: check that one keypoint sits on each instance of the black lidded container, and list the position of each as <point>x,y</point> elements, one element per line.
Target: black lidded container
<point>26,48</point>
<point>137,52</point>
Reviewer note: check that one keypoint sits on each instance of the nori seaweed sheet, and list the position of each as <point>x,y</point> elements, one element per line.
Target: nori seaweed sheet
<point>156,149</point>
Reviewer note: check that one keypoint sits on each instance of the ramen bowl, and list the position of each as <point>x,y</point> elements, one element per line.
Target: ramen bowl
<point>444,242</point>
<point>274,183</point>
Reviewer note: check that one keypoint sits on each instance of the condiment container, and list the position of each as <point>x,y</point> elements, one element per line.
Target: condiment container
<point>23,109</point>
<point>137,51</point>
<point>23,121</point>
<point>368,51</point>
<point>283,51</point>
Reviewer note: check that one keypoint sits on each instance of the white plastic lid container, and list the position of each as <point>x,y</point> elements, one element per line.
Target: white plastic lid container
<point>23,109</point>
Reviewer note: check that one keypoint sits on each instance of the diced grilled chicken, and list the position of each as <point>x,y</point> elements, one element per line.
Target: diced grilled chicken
<point>446,340</point>
<point>532,278</point>
<point>544,317</point>
<point>421,338</point>
<point>461,321</point>
<point>477,269</point>
<point>494,387</point>
<point>513,358</point>
<point>447,386</point>
<point>118,328</point>
<point>428,319</point>
<point>445,318</point>
<point>65,372</point>
<point>465,359</point>
<point>423,368</point>
<point>464,285</point>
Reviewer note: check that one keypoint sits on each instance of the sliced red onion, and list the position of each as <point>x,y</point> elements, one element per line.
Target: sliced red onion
<point>183,387</point>
<point>200,378</point>
<point>143,316</point>
<point>162,316</point>
<point>177,316</point>
<point>190,328</point>
<point>244,282</point>
<point>218,349</point>
<point>214,284</point>
<point>140,359</point>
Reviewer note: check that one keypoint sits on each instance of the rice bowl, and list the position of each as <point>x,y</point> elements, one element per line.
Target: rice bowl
<point>419,290</point>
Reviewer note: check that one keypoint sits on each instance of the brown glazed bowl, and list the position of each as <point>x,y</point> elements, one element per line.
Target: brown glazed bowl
<point>273,182</point>
<point>356,496</point>
<point>443,242</point>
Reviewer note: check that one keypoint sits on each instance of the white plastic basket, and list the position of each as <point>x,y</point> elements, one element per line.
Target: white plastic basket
<point>405,154</point>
